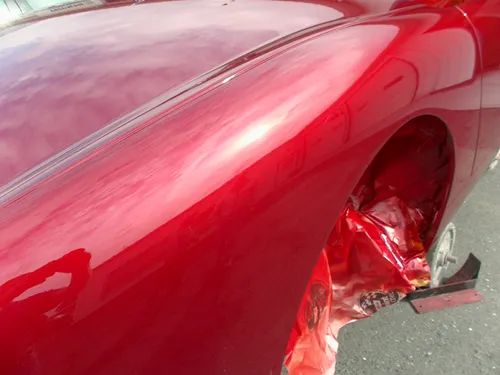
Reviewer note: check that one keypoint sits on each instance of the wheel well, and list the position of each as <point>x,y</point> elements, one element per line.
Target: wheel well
<point>417,165</point>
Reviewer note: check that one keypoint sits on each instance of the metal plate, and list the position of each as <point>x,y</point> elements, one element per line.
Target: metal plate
<point>444,301</point>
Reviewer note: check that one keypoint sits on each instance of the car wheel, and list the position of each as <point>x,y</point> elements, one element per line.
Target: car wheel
<point>440,255</point>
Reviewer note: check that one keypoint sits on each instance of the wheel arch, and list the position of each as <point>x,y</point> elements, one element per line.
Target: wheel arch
<point>420,150</point>
<point>439,135</point>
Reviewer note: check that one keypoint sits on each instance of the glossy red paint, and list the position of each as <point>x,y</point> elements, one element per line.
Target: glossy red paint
<point>198,219</point>
<point>91,68</point>
<point>485,16</point>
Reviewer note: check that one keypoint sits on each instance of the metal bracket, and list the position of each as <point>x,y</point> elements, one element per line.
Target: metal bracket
<point>456,291</point>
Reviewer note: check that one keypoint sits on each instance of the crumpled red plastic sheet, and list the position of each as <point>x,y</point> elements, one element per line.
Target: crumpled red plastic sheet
<point>373,258</point>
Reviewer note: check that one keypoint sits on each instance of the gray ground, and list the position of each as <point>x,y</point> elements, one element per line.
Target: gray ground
<point>464,340</point>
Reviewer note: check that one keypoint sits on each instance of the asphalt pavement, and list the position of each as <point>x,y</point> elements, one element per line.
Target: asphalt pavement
<point>460,341</point>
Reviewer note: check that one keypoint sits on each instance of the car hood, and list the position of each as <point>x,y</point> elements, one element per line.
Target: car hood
<point>69,70</point>
<point>65,77</point>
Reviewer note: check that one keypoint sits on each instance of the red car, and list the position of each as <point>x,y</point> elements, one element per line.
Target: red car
<point>216,187</point>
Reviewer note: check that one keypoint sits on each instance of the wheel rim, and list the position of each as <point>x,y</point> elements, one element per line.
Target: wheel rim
<point>443,255</point>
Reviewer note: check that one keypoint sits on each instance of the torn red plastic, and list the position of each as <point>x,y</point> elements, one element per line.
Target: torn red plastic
<point>373,259</point>
<point>376,253</point>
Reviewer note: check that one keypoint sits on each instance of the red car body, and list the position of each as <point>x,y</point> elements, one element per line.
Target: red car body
<point>172,170</point>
